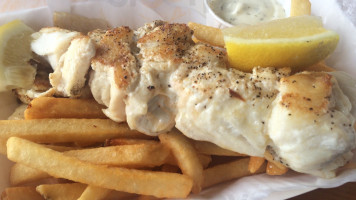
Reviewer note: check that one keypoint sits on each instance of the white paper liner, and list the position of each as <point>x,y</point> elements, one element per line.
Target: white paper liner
<point>135,14</point>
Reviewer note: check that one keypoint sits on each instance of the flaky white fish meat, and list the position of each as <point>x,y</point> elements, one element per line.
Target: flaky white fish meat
<point>157,78</point>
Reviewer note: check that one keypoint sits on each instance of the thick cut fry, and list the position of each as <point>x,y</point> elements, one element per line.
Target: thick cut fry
<point>170,168</point>
<point>207,34</point>
<point>255,163</point>
<point>300,7</point>
<point>21,174</point>
<point>126,141</point>
<point>145,197</point>
<point>66,130</point>
<point>209,148</point>
<point>78,23</point>
<point>274,170</point>
<point>270,159</point>
<point>205,160</point>
<point>225,172</point>
<point>133,156</point>
<point>68,191</point>
<point>50,107</point>
<point>159,184</point>
<point>186,156</point>
<point>94,193</point>
<point>20,193</point>
<point>3,146</point>
<point>319,67</point>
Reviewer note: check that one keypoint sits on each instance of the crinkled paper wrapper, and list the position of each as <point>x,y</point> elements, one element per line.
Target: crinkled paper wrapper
<point>135,13</point>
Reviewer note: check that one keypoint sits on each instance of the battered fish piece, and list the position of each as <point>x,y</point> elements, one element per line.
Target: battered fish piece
<point>114,70</point>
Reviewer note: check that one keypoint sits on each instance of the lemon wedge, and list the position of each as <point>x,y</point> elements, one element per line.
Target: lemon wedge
<point>15,52</point>
<point>295,42</point>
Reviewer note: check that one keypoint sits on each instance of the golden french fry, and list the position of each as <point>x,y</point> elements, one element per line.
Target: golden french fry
<point>94,193</point>
<point>128,141</point>
<point>68,191</point>
<point>274,170</point>
<point>66,130</point>
<point>78,23</point>
<point>133,156</point>
<point>3,146</point>
<point>228,171</point>
<point>209,148</point>
<point>255,163</point>
<point>170,168</point>
<point>159,184</point>
<point>269,157</point>
<point>319,67</point>
<point>145,197</point>
<point>207,34</point>
<point>21,174</point>
<point>50,107</point>
<point>205,160</point>
<point>300,7</point>
<point>186,156</point>
<point>18,114</point>
<point>20,193</point>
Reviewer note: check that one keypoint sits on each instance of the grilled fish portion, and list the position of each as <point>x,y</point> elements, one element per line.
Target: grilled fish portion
<point>52,43</point>
<point>150,106</point>
<point>69,77</point>
<point>157,78</point>
<point>311,127</point>
<point>114,70</point>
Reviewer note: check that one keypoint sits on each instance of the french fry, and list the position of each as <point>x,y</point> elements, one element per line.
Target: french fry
<point>207,34</point>
<point>269,157</point>
<point>3,146</point>
<point>50,107</point>
<point>170,168</point>
<point>20,193</point>
<point>68,191</point>
<point>18,114</point>
<point>186,156</point>
<point>133,156</point>
<point>319,67</point>
<point>127,141</point>
<point>209,148</point>
<point>255,163</point>
<point>78,23</point>
<point>66,130</point>
<point>228,171</point>
<point>21,174</point>
<point>274,170</point>
<point>300,7</point>
<point>145,197</point>
<point>205,160</point>
<point>94,193</point>
<point>159,184</point>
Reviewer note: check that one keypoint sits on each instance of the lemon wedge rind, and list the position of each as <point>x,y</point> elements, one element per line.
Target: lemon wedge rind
<point>15,52</point>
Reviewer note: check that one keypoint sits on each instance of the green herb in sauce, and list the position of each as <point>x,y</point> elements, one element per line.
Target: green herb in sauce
<point>247,11</point>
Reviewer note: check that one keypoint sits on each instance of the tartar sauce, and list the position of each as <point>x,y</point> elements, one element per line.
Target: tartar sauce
<point>247,11</point>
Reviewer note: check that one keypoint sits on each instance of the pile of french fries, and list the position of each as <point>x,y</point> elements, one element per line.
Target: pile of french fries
<point>66,149</point>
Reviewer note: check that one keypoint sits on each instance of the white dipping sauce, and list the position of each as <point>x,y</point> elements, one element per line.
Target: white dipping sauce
<point>247,11</point>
